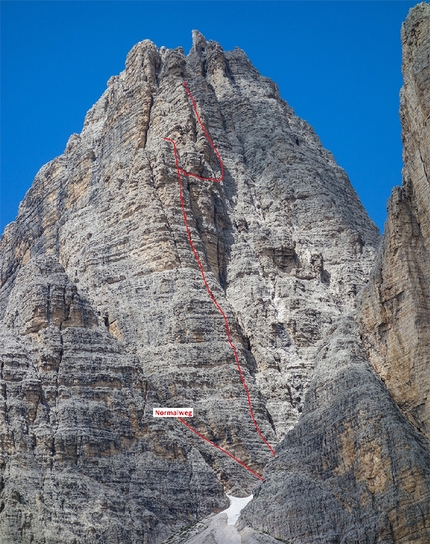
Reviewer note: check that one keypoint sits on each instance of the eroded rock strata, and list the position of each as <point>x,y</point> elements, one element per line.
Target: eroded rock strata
<point>356,467</point>
<point>396,306</point>
<point>353,469</point>
<point>104,316</point>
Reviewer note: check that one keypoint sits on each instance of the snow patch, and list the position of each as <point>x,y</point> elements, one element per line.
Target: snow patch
<point>236,506</point>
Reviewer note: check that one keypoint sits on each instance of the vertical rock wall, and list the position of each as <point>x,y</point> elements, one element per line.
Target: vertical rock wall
<point>356,467</point>
<point>353,469</point>
<point>103,313</point>
<point>396,306</point>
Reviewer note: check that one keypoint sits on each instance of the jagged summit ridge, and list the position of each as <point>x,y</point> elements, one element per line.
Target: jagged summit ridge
<point>104,316</point>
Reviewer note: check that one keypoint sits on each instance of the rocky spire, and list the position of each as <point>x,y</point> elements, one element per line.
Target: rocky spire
<point>104,316</point>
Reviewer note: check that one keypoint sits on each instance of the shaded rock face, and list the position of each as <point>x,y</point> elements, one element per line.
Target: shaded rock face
<point>396,306</point>
<point>356,467</point>
<point>104,314</point>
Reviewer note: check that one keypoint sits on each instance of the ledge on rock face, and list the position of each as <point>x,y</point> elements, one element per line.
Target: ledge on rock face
<point>49,298</point>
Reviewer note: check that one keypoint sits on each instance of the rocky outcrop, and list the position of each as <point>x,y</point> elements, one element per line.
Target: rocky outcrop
<point>396,306</point>
<point>75,446</point>
<point>353,469</point>
<point>356,467</point>
<point>103,313</point>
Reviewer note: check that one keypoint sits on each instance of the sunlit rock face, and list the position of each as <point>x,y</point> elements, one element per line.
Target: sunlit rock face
<point>396,306</point>
<point>104,314</point>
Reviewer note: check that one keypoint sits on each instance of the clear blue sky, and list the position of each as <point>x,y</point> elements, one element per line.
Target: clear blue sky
<point>338,64</point>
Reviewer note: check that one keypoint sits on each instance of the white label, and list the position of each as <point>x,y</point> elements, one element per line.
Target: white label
<point>172,412</point>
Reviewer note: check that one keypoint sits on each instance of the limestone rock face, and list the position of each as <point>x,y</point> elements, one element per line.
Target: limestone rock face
<point>353,469</point>
<point>356,467</point>
<point>75,447</point>
<point>104,315</point>
<point>396,306</point>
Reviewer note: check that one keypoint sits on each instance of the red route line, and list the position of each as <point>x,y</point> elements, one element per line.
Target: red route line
<point>180,172</point>
<point>221,449</point>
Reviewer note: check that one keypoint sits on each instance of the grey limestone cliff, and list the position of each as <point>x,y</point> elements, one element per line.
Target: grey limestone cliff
<point>396,306</point>
<point>353,469</point>
<point>356,467</point>
<point>104,315</point>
